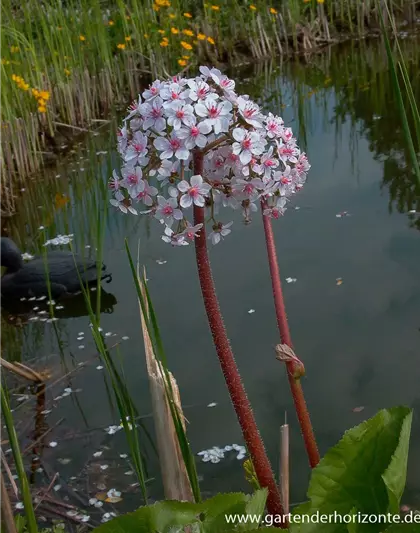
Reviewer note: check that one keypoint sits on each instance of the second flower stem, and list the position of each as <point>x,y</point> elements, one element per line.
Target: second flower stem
<point>295,384</point>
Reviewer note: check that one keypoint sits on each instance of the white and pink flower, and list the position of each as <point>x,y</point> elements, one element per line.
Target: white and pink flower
<point>248,156</point>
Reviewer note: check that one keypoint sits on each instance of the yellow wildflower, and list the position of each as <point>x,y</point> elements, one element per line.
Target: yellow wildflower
<point>273,11</point>
<point>188,15</point>
<point>14,49</point>
<point>42,109</point>
<point>5,61</point>
<point>252,7</point>
<point>185,57</point>
<point>182,62</point>
<point>128,38</point>
<point>67,72</point>
<point>82,38</point>
<point>201,37</point>
<point>164,43</point>
<point>188,32</point>
<point>45,95</point>
<point>111,23</point>
<point>155,7</point>
<point>41,102</point>
<point>175,31</point>
<point>320,1</point>
<point>25,86</point>
<point>163,3</point>
<point>146,35</point>
<point>215,8</point>
<point>121,46</point>
<point>162,32</point>
<point>186,45</point>
<point>210,40</point>
<point>172,16</point>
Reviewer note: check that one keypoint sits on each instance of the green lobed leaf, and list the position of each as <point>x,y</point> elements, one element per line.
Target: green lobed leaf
<point>255,507</point>
<point>162,517</point>
<point>365,472</point>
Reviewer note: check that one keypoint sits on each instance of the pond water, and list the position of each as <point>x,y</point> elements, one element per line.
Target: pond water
<point>350,239</point>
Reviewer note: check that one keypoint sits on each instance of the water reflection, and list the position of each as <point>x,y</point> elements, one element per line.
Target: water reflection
<point>358,340</point>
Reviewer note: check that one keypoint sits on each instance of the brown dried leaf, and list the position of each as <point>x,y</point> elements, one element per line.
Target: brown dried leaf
<point>113,499</point>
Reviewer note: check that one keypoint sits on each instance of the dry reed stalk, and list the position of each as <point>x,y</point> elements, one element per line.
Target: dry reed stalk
<point>284,466</point>
<point>6,509</point>
<point>174,474</point>
<point>9,475</point>
<point>23,371</point>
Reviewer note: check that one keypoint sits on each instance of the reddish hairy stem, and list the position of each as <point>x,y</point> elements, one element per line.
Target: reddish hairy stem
<point>295,384</point>
<point>230,370</point>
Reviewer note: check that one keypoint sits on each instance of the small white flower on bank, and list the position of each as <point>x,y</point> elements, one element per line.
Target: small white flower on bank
<point>291,280</point>
<point>212,404</point>
<point>27,257</point>
<point>251,311</point>
<point>52,444</point>
<point>19,506</point>
<point>97,454</point>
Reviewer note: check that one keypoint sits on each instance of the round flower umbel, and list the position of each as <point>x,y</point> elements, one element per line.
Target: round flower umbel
<point>249,157</point>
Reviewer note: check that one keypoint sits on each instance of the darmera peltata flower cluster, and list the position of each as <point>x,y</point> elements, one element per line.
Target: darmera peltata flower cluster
<point>249,157</point>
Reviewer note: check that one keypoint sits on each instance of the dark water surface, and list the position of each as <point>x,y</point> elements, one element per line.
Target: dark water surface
<point>359,340</point>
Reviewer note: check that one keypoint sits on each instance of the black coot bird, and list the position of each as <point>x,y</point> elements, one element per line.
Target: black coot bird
<point>25,280</point>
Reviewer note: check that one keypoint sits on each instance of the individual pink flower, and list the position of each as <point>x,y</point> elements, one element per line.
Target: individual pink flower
<point>247,143</point>
<point>274,126</point>
<point>287,134</point>
<point>191,232</point>
<point>146,193</point>
<point>122,137</point>
<point>172,146</point>
<point>153,90</point>
<point>137,150</point>
<point>249,189</point>
<point>219,232</point>
<point>266,165</point>
<point>277,210</point>
<point>220,79</point>
<point>302,165</point>
<point>168,169</point>
<point>176,239</point>
<point>167,210</point>
<point>153,112</point>
<point>195,134</point>
<point>216,114</point>
<point>134,109</point>
<point>250,112</point>
<point>174,91</point>
<point>179,113</point>
<point>133,177</point>
<point>114,182</point>
<point>194,192</point>
<point>288,152</point>
<point>200,90</point>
